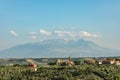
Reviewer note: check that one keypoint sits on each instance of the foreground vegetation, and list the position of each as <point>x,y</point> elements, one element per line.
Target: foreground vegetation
<point>81,72</point>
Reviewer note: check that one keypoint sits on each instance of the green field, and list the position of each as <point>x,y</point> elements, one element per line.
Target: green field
<point>81,72</point>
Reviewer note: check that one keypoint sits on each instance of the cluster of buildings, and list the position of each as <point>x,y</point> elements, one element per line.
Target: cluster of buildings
<point>69,62</point>
<point>108,62</point>
<point>104,61</point>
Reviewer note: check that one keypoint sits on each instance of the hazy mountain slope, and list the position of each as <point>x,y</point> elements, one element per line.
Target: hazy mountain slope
<point>58,48</point>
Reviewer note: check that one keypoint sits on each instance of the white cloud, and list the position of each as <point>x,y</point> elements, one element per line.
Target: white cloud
<point>45,32</point>
<point>69,34</point>
<point>32,33</point>
<point>75,34</point>
<point>33,37</point>
<point>87,34</point>
<point>64,33</point>
<point>59,33</point>
<point>13,33</point>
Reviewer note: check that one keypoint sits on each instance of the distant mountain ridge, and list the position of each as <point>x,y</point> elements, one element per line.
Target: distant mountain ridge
<point>58,48</point>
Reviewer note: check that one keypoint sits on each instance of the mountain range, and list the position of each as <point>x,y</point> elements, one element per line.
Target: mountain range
<point>58,48</point>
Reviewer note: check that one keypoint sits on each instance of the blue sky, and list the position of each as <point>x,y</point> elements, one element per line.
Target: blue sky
<point>24,21</point>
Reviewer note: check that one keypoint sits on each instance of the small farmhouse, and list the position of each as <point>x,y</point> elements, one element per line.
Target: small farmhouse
<point>33,67</point>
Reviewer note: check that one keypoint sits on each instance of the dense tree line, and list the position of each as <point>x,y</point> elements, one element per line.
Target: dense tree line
<point>80,72</point>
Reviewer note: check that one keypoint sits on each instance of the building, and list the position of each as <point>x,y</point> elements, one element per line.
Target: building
<point>98,62</point>
<point>91,61</point>
<point>33,67</point>
<point>108,62</point>
<point>117,62</point>
<point>67,62</point>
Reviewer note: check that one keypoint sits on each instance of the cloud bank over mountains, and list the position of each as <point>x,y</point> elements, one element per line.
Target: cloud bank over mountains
<point>60,34</point>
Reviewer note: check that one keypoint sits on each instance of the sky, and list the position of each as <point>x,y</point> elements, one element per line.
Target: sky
<point>26,21</point>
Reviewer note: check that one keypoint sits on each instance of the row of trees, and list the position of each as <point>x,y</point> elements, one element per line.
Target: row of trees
<point>81,72</point>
